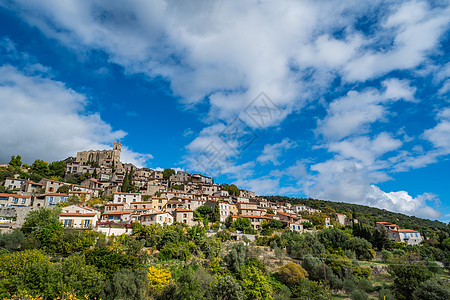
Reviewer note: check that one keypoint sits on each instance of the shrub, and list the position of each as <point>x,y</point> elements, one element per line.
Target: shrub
<point>432,289</point>
<point>386,294</point>
<point>386,255</point>
<point>292,273</point>
<point>359,295</point>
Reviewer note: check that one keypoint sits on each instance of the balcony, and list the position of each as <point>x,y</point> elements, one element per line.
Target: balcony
<point>114,224</point>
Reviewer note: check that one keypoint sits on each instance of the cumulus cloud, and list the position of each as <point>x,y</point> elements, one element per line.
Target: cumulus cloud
<point>228,52</point>
<point>261,186</point>
<point>43,118</point>
<point>439,136</point>
<point>271,153</point>
<point>356,111</point>
<point>350,181</point>
<point>364,149</point>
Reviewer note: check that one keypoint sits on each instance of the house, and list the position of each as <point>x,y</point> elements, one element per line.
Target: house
<point>110,207</point>
<point>341,218</point>
<point>23,185</point>
<point>295,226</point>
<point>14,200</point>
<point>50,199</point>
<point>121,197</point>
<point>184,216</point>
<point>82,195</point>
<point>246,194</point>
<point>141,205</point>
<point>52,186</point>
<point>256,221</point>
<point>116,216</point>
<point>173,204</point>
<point>79,217</point>
<point>157,218</point>
<point>14,183</point>
<point>409,236</point>
<point>201,178</point>
<point>113,187</point>
<point>159,203</point>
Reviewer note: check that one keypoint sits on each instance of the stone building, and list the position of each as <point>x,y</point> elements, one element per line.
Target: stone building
<point>85,160</point>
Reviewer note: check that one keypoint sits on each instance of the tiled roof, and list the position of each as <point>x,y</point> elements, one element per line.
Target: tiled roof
<point>77,215</point>
<point>13,195</point>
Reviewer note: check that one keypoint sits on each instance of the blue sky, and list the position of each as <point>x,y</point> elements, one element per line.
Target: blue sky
<point>337,100</point>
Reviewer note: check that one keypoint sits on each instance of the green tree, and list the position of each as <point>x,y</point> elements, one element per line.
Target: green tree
<point>292,273</point>
<point>42,278</point>
<point>40,167</point>
<point>235,259</point>
<point>168,172</point>
<point>333,237</point>
<point>108,261</point>
<point>12,241</point>
<point>242,224</point>
<point>360,246</point>
<point>232,189</point>
<point>227,288</point>
<point>190,285</point>
<point>125,183</point>
<point>37,220</point>
<point>126,284</point>
<point>408,275</point>
<point>204,211</point>
<point>64,189</point>
<point>57,168</point>
<point>81,278</point>
<point>16,161</point>
<point>432,289</point>
<point>256,284</point>
<point>216,213</point>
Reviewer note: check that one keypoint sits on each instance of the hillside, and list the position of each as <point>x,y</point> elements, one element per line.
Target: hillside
<point>367,214</point>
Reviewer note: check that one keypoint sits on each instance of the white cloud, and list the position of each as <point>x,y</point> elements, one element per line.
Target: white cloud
<point>228,52</point>
<point>364,149</point>
<point>349,181</point>
<point>353,113</point>
<point>439,136</point>
<point>261,186</point>
<point>42,118</point>
<point>415,28</point>
<point>402,202</point>
<point>271,153</point>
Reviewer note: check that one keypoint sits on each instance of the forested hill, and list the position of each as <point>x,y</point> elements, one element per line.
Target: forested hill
<point>366,214</point>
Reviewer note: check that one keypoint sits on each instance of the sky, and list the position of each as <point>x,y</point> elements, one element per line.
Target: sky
<point>338,100</point>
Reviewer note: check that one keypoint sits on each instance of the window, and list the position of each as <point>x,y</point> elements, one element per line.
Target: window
<point>67,223</point>
<point>417,234</point>
<point>25,200</point>
<point>87,223</point>
<point>15,200</point>
<point>111,217</point>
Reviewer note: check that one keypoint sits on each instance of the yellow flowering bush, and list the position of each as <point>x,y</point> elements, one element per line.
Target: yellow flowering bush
<point>14,263</point>
<point>158,277</point>
<point>24,295</point>
<point>72,296</point>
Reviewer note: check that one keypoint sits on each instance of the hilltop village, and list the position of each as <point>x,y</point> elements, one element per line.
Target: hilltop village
<point>91,227</point>
<point>113,195</point>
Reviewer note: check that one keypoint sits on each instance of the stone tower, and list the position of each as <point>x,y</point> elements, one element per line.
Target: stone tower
<point>117,149</point>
